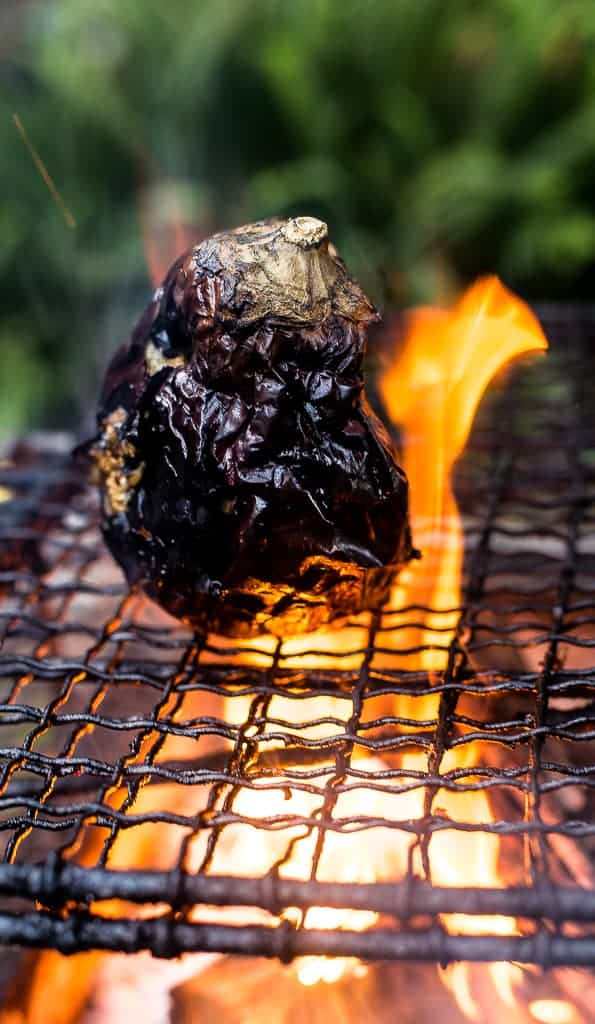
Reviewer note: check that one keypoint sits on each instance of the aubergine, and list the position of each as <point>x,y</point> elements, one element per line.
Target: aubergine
<point>246,485</point>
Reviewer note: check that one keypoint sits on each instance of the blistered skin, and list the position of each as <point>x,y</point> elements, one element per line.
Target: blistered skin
<point>246,484</point>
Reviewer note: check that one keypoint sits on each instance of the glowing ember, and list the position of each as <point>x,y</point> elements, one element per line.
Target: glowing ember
<point>552,1011</point>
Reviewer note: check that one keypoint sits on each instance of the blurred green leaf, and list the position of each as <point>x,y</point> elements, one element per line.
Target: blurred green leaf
<point>22,381</point>
<point>438,140</point>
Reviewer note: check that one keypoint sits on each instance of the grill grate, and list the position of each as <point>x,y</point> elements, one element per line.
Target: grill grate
<point>175,773</point>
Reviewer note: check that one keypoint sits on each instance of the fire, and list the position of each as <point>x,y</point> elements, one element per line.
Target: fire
<point>432,391</point>
<point>344,858</point>
<point>552,1011</point>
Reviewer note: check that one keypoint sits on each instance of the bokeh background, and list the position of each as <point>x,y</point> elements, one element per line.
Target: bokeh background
<point>440,139</point>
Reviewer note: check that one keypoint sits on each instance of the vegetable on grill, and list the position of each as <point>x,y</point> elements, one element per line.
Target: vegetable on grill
<point>246,484</point>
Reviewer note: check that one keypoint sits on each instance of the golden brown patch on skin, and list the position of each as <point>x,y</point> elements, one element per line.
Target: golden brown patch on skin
<point>110,470</point>
<point>155,360</point>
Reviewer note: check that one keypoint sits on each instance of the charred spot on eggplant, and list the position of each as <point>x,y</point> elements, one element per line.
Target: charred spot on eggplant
<point>246,484</point>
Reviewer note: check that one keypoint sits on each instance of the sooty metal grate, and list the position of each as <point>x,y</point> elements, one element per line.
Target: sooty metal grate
<point>165,791</point>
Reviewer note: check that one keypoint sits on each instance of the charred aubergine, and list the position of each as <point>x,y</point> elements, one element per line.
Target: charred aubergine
<point>246,484</point>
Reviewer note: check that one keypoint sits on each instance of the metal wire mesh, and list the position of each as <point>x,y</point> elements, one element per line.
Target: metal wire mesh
<point>167,791</point>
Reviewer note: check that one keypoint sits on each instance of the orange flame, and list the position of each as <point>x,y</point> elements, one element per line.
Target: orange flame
<point>432,392</point>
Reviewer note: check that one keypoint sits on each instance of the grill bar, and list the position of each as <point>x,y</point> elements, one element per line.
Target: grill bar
<point>68,882</point>
<point>168,939</point>
<point>129,742</point>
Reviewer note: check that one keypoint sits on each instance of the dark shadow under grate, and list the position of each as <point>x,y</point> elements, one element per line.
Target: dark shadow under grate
<point>143,764</point>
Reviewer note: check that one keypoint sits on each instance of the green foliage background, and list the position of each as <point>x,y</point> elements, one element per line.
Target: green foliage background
<point>439,139</point>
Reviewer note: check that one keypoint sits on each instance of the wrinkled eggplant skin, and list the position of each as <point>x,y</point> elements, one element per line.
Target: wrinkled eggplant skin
<point>260,493</point>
